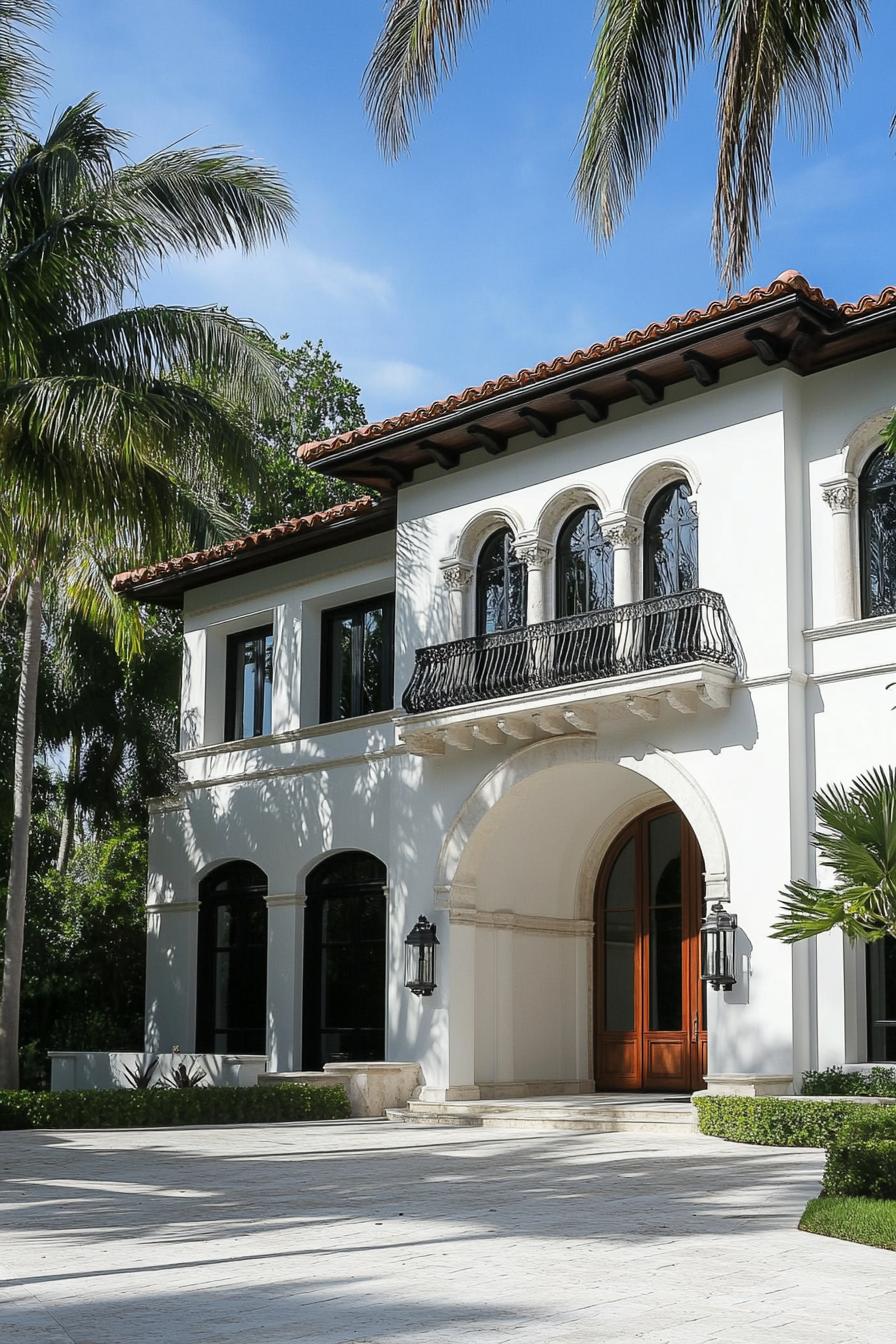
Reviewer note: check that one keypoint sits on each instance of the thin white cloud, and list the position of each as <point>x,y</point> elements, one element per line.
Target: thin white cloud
<point>394,385</point>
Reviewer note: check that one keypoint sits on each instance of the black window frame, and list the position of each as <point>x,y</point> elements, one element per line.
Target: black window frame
<point>657,509</point>
<point>872,496</point>
<point>508,564</point>
<point>329,692</point>
<point>236,886</point>
<point>565,555</point>
<point>259,635</point>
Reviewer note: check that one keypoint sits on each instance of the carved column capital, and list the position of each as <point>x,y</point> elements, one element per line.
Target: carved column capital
<point>457,575</point>
<point>622,530</point>
<point>534,552</point>
<point>840,495</point>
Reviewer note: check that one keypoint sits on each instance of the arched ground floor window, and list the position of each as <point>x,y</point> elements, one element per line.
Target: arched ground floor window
<point>344,1000</point>
<point>231,982</point>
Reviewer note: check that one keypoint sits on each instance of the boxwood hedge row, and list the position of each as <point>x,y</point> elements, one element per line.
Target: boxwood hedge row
<point>792,1123</point>
<point>123,1108</point>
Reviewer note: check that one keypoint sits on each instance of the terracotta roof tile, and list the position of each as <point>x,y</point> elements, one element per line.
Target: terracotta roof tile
<point>352,508</point>
<point>788,282</point>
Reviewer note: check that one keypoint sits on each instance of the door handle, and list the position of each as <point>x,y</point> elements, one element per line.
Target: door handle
<point>695,1028</point>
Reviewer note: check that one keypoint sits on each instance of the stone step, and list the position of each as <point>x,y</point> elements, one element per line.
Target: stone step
<point>649,1117</point>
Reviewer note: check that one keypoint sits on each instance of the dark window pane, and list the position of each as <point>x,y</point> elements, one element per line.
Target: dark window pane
<point>670,543</point>
<point>881,994</point>
<point>500,586</point>
<point>664,847</point>
<point>584,566</point>
<point>877,526</point>
<point>665,968</point>
<point>232,968</point>
<point>619,970</point>
<point>621,884</point>
<point>356,675</point>
<point>249,683</point>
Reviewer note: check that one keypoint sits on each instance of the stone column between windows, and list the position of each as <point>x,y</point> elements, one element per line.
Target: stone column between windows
<point>624,534</point>
<point>536,554</point>
<point>457,576</point>
<point>841,497</point>
<point>286,952</point>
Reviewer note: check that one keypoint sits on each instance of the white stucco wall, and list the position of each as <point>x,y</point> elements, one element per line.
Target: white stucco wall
<point>513,1001</point>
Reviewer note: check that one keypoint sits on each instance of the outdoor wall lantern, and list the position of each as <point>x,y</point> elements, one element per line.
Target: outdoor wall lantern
<point>420,958</point>
<point>717,947</point>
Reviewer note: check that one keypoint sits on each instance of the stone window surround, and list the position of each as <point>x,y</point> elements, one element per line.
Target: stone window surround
<point>536,546</point>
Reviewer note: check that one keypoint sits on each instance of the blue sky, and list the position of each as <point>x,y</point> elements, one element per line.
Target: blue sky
<point>464,260</point>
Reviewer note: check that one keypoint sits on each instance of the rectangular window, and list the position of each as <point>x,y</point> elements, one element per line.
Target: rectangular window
<point>249,677</point>
<point>356,671</point>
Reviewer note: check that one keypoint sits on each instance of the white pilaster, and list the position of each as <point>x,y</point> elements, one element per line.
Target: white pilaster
<point>286,949</point>
<point>841,496</point>
<point>458,580</point>
<point>624,534</point>
<point>536,555</point>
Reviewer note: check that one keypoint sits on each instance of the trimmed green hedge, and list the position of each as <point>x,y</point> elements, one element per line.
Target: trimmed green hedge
<point>123,1108</point>
<point>792,1123</point>
<point>876,1082</point>
<point>861,1167</point>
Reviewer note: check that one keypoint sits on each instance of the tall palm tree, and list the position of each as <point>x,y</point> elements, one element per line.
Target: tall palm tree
<point>773,57</point>
<point>857,843</point>
<point>107,448</point>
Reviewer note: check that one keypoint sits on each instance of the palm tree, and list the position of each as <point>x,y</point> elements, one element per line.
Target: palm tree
<point>107,448</point>
<point>857,841</point>
<point>773,57</point>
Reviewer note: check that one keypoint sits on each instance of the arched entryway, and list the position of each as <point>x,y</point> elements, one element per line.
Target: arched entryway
<point>344,998</point>
<point>649,1004</point>
<point>231,982</point>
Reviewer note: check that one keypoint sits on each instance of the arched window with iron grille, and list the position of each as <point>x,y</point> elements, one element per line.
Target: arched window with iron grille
<point>500,585</point>
<point>877,534</point>
<point>670,542</point>
<point>584,565</point>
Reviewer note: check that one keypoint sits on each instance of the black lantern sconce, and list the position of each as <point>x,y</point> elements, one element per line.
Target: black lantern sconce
<point>717,936</point>
<point>420,958</point>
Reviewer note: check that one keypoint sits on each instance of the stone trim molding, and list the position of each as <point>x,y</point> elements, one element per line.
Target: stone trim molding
<point>508,919</point>
<point>621,530</point>
<point>296,898</point>
<point>290,735</point>
<point>533,551</point>
<point>171,907</point>
<point>457,575</point>
<point>860,627</point>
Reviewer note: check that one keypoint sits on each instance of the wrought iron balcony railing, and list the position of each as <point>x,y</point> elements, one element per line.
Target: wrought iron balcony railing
<point>661,632</point>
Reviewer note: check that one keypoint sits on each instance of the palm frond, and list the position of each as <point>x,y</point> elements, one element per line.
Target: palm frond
<point>22,71</point>
<point>643,56</point>
<point>142,344</point>
<point>415,51</point>
<point>199,200</point>
<point>774,56</point>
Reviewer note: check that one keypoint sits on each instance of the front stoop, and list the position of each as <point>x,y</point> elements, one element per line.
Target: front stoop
<point>593,1114</point>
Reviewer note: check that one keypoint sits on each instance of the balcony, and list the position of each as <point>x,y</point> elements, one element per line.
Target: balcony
<point>557,677</point>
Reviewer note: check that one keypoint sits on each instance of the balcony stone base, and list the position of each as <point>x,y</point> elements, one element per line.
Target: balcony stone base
<point>687,689</point>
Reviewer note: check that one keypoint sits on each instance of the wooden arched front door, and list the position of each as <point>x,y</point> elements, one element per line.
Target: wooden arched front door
<point>649,1027</point>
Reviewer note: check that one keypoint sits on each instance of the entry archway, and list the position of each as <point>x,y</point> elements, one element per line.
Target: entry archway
<point>231,980</point>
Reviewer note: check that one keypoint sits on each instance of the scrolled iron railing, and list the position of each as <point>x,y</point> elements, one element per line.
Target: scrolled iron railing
<point>660,632</point>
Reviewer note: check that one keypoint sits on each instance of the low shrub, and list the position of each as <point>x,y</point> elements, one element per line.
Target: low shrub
<point>861,1167</point>
<point>786,1123</point>
<point>876,1082</point>
<point>872,1222</point>
<point>125,1108</point>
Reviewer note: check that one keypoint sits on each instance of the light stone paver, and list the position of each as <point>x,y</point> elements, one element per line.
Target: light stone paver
<point>367,1232</point>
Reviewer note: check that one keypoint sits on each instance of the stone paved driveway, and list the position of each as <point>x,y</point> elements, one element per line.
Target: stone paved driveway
<point>361,1231</point>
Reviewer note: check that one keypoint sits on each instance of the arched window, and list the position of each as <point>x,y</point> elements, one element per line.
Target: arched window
<point>500,586</point>
<point>344,998</point>
<point>584,565</point>
<point>231,984</point>
<point>670,542</point>
<point>877,533</point>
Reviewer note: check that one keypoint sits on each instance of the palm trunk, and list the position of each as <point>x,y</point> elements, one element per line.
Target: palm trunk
<point>26,717</point>
<point>67,830</point>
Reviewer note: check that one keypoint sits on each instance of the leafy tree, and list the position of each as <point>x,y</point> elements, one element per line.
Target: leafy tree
<point>773,57</point>
<point>857,842</point>
<point>106,451</point>
<point>318,401</point>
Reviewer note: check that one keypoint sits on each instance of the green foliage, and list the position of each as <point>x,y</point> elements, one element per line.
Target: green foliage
<point>780,1122</point>
<point>834,1082</point>
<point>861,1167</point>
<point>872,1222</point>
<point>857,841</point>
<point>126,1108</point>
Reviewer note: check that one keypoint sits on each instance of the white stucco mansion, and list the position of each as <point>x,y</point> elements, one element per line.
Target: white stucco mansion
<point>567,682</point>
